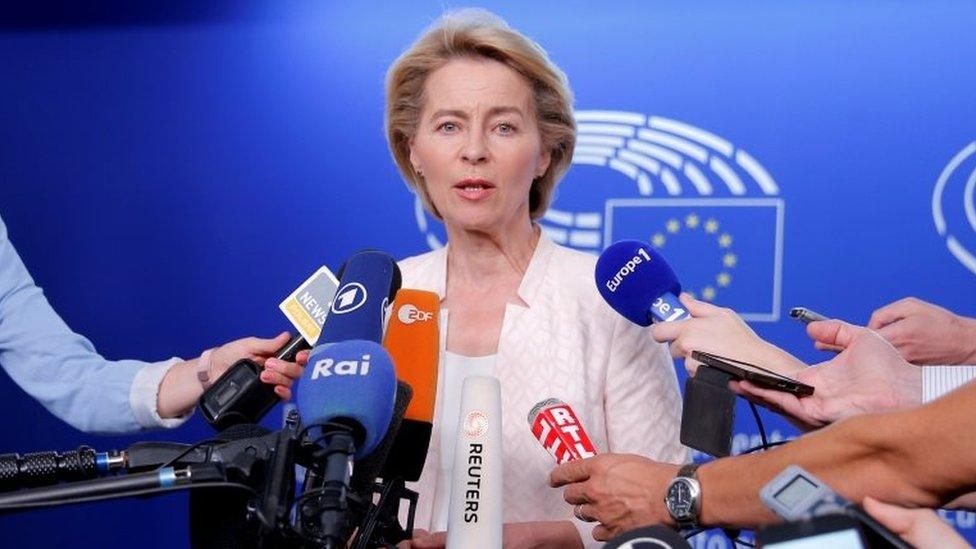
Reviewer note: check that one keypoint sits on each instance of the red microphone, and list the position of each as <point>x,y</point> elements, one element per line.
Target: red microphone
<point>559,431</point>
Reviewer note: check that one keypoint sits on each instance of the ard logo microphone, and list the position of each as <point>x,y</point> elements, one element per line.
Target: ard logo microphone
<point>559,431</point>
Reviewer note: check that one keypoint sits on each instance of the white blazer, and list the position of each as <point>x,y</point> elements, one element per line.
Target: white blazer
<point>567,344</point>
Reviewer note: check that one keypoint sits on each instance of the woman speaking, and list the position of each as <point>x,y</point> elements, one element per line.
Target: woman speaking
<point>480,124</point>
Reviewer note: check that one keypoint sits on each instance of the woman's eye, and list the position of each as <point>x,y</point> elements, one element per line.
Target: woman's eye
<point>506,128</point>
<point>447,127</point>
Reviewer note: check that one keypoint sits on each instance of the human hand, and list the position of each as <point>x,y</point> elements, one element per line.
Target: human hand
<point>868,376</point>
<point>277,372</point>
<point>181,387</point>
<point>925,333</point>
<point>620,491</point>
<point>920,527</point>
<point>720,331</point>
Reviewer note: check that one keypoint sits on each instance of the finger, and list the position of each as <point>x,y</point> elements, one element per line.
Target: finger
<point>891,312</point>
<point>284,393</point>
<point>786,403</point>
<point>601,533</point>
<point>896,519</point>
<point>267,347</point>
<point>287,369</point>
<point>570,472</point>
<point>577,493</point>
<point>833,332</point>
<point>825,347</point>
<point>691,366</point>
<point>430,541</point>
<point>698,308</point>
<point>302,357</point>
<point>272,377</point>
<point>893,333</point>
<point>663,332</point>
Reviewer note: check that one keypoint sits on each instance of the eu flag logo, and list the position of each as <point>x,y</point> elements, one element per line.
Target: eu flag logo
<point>727,251</point>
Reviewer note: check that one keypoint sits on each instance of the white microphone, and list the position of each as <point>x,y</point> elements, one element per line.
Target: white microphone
<point>475,515</point>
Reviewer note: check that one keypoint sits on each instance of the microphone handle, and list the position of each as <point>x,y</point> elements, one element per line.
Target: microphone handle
<point>119,486</point>
<point>43,468</point>
<point>294,346</point>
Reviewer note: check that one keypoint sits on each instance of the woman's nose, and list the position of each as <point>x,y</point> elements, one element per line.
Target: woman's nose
<point>475,150</point>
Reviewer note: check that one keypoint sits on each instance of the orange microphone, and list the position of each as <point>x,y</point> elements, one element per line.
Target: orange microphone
<point>413,341</point>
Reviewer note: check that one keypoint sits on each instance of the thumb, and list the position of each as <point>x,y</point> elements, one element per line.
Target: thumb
<point>897,519</point>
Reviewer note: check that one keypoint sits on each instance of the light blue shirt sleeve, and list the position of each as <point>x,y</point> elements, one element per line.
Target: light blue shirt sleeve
<point>61,369</point>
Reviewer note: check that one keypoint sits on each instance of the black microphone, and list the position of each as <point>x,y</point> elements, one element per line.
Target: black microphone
<point>43,468</point>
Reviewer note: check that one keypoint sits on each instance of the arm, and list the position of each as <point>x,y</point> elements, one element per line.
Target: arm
<point>925,333</point>
<point>62,370</point>
<point>886,456</point>
<point>721,331</point>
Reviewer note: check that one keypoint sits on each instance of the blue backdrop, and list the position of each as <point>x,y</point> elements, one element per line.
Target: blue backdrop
<point>169,176</point>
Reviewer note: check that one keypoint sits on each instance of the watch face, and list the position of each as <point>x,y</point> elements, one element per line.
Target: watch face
<point>681,500</point>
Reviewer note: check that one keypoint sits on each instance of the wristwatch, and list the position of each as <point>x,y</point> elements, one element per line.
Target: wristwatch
<point>683,498</point>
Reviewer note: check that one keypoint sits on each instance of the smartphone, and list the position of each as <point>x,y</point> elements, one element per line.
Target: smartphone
<point>755,374</point>
<point>805,315</point>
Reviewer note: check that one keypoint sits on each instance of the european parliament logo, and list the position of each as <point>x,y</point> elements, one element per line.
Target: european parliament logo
<point>708,206</point>
<point>954,206</point>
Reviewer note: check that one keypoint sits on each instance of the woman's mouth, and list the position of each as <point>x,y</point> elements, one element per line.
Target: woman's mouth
<point>474,189</point>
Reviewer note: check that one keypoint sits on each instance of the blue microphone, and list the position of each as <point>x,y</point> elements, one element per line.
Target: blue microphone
<point>345,398</point>
<point>639,284</point>
<point>368,283</point>
<point>352,383</point>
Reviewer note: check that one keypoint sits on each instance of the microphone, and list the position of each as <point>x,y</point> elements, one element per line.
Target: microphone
<point>413,341</point>
<point>556,427</point>
<point>239,396</point>
<point>43,468</point>
<point>477,500</point>
<point>638,283</point>
<point>370,280</point>
<point>347,394</point>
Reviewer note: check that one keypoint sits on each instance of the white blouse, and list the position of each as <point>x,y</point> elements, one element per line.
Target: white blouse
<point>566,344</point>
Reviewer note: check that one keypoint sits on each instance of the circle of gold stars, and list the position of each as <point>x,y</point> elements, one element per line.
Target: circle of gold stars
<point>724,240</point>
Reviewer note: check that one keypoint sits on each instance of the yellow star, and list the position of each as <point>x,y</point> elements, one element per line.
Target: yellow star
<point>691,221</point>
<point>725,240</point>
<point>723,279</point>
<point>730,260</point>
<point>658,240</point>
<point>708,293</point>
<point>711,226</point>
<point>673,226</point>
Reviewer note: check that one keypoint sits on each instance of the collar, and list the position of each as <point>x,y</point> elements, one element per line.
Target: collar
<point>532,280</point>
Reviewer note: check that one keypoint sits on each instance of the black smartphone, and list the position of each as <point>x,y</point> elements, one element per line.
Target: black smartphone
<point>805,315</point>
<point>755,374</point>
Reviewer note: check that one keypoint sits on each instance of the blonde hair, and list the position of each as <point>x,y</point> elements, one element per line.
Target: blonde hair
<point>480,34</point>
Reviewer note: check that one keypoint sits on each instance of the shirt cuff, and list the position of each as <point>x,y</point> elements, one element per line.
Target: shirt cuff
<point>144,392</point>
<point>939,380</point>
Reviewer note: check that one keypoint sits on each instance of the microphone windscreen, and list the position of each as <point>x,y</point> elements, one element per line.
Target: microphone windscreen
<point>369,281</point>
<point>649,537</point>
<point>366,471</point>
<point>477,500</point>
<point>353,382</point>
<point>413,341</point>
<point>630,276</point>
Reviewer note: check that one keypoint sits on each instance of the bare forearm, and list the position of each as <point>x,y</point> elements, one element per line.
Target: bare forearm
<point>179,390</point>
<point>914,458</point>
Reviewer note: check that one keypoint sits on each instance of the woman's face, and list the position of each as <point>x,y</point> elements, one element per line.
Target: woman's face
<point>477,144</point>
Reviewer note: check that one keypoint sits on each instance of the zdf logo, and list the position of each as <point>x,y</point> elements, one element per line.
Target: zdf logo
<point>329,367</point>
<point>409,313</point>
